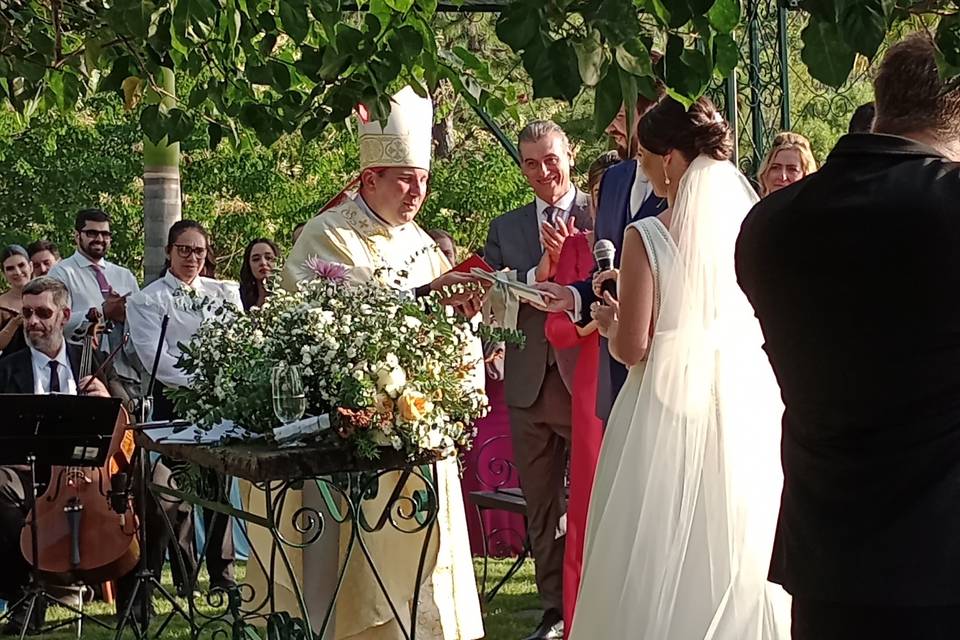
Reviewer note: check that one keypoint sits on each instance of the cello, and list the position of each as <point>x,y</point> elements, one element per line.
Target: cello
<point>80,536</point>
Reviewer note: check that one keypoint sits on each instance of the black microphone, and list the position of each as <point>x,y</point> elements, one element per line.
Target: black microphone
<point>603,253</point>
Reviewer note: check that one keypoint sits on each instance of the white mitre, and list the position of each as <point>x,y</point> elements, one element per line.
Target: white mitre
<point>407,138</point>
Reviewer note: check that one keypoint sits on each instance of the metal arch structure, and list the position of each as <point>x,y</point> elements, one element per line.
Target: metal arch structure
<point>756,96</point>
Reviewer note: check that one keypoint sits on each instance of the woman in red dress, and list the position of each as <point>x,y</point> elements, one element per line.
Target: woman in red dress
<point>576,263</point>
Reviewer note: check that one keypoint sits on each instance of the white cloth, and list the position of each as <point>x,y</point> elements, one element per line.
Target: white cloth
<point>145,311</point>
<point>639,192</point>
<point>41,372</point>
<point>564,207</point>
<point>687,491</point>
<point>77,274</point>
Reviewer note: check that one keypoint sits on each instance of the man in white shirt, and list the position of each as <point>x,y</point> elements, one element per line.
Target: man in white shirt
<point>95,283</point>
<point>524,240</point>
<point>49,365</point>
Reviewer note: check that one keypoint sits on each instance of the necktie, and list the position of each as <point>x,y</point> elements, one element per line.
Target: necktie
<point>551,213</point>
<point>54,376</point>
<point>105,287</point>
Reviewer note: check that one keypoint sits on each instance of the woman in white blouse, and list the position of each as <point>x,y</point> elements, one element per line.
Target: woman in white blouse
<point>177,294</point>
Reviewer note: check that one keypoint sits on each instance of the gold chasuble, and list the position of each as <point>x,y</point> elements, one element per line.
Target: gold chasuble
<point>350,234</point>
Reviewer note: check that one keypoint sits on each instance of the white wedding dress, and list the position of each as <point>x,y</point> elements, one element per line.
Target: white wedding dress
<point>686,497</point>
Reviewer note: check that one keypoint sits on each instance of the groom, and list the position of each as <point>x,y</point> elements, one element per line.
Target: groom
<point>855,277</point>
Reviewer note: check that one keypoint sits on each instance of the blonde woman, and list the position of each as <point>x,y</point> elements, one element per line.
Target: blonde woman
<point>788,160</point>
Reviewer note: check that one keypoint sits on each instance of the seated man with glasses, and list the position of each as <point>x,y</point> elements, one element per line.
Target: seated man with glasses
<point>100,287</point>
<point>49,365</point>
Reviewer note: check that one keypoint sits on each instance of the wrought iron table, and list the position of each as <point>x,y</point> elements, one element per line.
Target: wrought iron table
<point>347,484</point>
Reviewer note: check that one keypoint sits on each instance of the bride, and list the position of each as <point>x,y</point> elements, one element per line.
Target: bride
<point>685,502</point>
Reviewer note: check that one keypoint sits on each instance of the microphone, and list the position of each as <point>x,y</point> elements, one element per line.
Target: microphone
<point>603,253</point>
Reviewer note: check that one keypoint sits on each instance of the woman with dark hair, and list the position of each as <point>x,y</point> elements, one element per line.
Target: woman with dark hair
<point>17,271</point>
<point>687,490</point>
<point>259,262</point>
<point>188,298</point>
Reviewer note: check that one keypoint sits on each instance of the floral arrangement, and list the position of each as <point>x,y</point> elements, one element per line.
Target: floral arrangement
<point>390,371</point>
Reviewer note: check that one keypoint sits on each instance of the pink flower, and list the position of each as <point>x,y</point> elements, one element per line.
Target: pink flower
<point>330,271</point>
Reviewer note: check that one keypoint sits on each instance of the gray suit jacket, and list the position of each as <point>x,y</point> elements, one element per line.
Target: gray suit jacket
<point>513,242</point>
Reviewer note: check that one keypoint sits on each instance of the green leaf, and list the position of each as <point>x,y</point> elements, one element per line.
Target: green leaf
<point>406,42</point>
<point>234,22</point>
<point>591,57</point>
<point>687,72</point>
<point>608,98</point>
<point>429,7</point>
<point>259,74</point>
<point>179,125</point>
<point>91,54</point>
<point>333,65</point>
<point>724,15</point>
<point>826,53</point>
<point>151,123</point>
<point>865,26</point>
<point>727,54</point>
<point>293,16</point>
<point>628,88</point>
<point>553,69</point>
<point>824,10</point>
<point>348,39</point>
<point>310,61</point>
<point>401,6</point>
<point>518,25</point>
<point>633,57</point>
<point>659,11</point>
<point>947,40</point>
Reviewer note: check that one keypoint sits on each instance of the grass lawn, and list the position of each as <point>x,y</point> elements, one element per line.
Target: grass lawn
<point>512,614</point>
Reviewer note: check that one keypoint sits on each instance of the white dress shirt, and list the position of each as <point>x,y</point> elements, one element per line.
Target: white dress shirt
<point>639,192</point>
<point>41,372</point>
<point>78,275</point>
<point>145,311</point>
<point>564,208</point>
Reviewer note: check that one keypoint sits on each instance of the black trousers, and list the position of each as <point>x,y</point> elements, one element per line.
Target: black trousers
<point>219,553</point>
<point>817,620</point>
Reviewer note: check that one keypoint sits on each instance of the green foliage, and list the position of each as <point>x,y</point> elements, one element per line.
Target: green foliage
<point>273,67</point>
<point>60,164</point>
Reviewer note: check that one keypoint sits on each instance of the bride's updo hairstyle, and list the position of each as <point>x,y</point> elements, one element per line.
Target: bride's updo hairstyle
<point>701,130</point>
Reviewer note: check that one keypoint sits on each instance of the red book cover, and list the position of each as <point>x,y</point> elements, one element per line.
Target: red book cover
<point>473,262</point>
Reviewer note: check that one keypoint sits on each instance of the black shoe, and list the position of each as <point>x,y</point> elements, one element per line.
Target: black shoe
<point>551,627</point>
<point>223,584</point>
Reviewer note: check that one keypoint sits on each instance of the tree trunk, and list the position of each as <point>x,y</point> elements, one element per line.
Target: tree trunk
<point>161,188</point>
<point>443,136</point>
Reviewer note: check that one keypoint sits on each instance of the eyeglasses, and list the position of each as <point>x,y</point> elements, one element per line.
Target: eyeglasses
<point>44,313</point>
<point>93,234</point>
<point>185,251</point>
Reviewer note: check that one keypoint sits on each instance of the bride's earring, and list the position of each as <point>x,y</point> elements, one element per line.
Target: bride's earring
<point>666,174</point>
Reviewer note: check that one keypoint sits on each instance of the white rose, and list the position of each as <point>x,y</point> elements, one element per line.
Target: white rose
<point>391,381</point>
<point>411,322</point>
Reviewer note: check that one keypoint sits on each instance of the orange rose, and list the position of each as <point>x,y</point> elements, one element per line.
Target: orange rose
<point>413,405</point>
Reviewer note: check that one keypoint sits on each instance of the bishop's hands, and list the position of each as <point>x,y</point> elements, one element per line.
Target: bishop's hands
<point>462,291</point>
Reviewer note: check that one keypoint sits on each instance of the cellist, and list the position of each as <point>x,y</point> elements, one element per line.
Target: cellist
<point>48,365</point>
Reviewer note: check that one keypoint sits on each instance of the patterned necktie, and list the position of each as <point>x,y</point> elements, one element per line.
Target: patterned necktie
<point>105,287</point>
<point>54,376</point>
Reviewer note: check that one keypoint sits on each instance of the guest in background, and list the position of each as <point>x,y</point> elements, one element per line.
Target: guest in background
<point>43,255</point>
<point>177,294</point>
<point>259,262</point>
<point>575,264</point>
<point>17,271</point>
<point>788,160</point>
<point>535,391</point>
<point>98,285</point>
<point>862,119</point>
<point>446,244</point>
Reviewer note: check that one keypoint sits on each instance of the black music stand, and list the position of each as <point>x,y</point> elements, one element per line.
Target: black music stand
<point>47,430</point>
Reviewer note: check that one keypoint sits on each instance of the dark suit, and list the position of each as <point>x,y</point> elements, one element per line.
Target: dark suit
<point>16,376</point>
<point>538,401</point>
<point>854,274</point>
<point>613,215</point>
